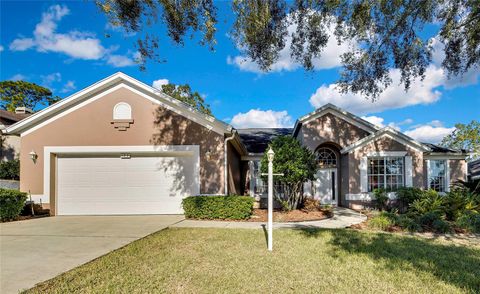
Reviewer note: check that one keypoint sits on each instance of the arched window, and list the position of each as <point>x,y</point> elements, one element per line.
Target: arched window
<point>326,157</point>
<point>122,110</point>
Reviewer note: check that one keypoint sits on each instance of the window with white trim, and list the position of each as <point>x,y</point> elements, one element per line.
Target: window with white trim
<point>326,157</point>
<point>258,187</point>
<point>437,175</point>
<point>122,110</point>
<point>385,173</point>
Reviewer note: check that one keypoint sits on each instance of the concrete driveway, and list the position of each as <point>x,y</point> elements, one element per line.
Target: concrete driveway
<point>33,251</point>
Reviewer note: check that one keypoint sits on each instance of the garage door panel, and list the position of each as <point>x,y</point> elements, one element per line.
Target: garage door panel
<point>110,185</point>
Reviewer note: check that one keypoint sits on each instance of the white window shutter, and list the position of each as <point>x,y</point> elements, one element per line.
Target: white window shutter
<point>363,174</point>
<point>408,172</point>
<point>447,175</point>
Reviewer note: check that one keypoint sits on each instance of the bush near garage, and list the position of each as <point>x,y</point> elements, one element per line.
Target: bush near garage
<point>10,170</point>
<point>11,203</point>
<point>218,207</point>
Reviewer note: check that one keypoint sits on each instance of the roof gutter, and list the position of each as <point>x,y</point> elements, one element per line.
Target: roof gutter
<point>225,152</point>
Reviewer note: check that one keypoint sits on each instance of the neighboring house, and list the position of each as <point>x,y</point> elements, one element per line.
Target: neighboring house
<point>10,144</point>
<point>123,147</point>
<point>474,170</point>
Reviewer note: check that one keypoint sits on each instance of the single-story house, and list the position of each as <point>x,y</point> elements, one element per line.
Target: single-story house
<point>120,146</point>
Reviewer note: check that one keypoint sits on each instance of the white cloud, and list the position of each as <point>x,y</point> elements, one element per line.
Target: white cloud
<point>256,118</point>
<point>376,120</point>
<point>420,92</point>
<point>120,60</point>
<point>1,48</point>
<point>48,80</point>
<point>18,77</point>
<point>379,122</point>
<point>432,132</point>
<point>330,56</point>
<point>68,87</point>
<point>438,55</point>
<point>22,44</point>
<point>159,83</point>
<point>76,44</point>
<point>118,29</point>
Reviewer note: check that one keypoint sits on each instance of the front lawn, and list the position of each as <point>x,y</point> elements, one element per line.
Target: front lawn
<point>303,261</point>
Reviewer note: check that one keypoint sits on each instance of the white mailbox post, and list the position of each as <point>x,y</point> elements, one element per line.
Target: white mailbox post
<point>270,156</point>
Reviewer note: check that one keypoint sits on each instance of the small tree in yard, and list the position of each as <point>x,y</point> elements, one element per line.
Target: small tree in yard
<point>298,165</point>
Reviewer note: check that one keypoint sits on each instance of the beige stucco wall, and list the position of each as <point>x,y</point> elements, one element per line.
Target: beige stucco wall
<point>329,128</point>
<point>153,125</point>
<point>381,144</point>
<point>458,170</point>
<point>337,133</point>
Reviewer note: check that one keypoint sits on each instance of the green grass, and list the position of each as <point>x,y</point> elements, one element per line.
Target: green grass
<point>303,261</point>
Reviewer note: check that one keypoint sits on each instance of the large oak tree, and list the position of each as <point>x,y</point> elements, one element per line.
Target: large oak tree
<point>387,34</point>
<point>15,94</point>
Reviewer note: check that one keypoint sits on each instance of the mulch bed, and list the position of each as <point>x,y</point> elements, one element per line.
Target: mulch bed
<point>261,215</point>
<point>27,217</point>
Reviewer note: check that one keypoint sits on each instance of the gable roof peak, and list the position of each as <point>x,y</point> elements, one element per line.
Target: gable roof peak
<point>119,78</point>
<point>331,108</point>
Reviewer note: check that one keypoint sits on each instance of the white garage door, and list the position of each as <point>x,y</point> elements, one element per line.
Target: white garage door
<point>111,185</point>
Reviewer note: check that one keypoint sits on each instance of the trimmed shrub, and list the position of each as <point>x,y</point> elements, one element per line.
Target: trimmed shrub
<point>469,221</point>
<point>430,201</point>
<point>218,207</point>
<point>441,226</point>
<point>381,198</point>
<point>432,221</point>
<point>11,203</point>
<point>406,196</point>
<point>380,222</point>
<point>426,220</point>
<point>10,170</point>
<point>407,223</point>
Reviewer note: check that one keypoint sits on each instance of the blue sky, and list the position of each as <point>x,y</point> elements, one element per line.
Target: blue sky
<point>64,46</point>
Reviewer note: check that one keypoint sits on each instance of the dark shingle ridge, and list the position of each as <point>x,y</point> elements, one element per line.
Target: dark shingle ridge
<point>256,140</point>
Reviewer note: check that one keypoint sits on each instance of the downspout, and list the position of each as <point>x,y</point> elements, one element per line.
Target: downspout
<point>226,160</point>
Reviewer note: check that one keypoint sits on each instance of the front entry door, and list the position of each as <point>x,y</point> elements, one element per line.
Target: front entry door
<point>325,186</point>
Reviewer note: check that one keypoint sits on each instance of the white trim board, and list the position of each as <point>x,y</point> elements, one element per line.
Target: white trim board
<point>387,154</point>
<point>193,150</point>
<point>390,133</point>
<point>100,89</point>
<point>445,157</point>
<point>368,196</point>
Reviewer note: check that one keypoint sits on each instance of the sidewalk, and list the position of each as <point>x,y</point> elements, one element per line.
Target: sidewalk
<point>342,218</point>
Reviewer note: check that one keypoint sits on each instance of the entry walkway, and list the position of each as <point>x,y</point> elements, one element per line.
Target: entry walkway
<point>342,218</point>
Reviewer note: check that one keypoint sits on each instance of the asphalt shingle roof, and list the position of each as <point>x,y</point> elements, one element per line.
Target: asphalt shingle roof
<point>12,116</point>
<point>474,168</point>
<point>257,140</point>
<point>440,149</point>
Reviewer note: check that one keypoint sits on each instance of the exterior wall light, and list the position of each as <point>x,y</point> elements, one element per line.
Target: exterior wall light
<point>33,156</point>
